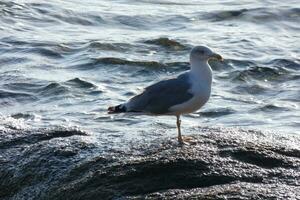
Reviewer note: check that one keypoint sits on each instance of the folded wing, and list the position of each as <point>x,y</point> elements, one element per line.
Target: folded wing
<point>158,98</point>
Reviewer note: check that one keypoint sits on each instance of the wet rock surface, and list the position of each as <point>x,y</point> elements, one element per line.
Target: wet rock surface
<point>221,164</point>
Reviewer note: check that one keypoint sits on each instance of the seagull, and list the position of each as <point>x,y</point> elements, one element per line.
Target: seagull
<point>184,94</point>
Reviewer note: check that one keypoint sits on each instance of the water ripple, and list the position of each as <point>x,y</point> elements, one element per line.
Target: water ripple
<point>54,89</point>
<point>258,15</point>
<point>19,96</point>
<point>261,73</point>
<point>77,82</point>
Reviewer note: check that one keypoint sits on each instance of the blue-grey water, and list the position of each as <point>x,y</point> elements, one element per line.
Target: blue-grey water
<point>62,63</point>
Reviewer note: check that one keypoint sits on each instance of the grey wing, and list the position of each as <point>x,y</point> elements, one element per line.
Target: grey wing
<point>158,98</point>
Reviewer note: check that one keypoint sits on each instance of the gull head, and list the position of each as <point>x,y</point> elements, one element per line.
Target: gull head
<point>203,54</point>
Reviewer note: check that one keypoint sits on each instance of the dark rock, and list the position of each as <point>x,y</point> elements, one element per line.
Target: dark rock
<point>221,164</point>
<point>167,43</point>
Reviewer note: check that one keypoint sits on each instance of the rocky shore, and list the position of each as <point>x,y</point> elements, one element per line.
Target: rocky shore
<point>221,164</point>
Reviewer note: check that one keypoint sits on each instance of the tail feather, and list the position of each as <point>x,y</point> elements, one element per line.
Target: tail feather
<point>116,109</point>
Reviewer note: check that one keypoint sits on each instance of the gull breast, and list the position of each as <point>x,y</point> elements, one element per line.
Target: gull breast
<point>201,93</point>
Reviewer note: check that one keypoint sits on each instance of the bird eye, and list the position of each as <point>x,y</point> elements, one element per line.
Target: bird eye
<point>201,52</point>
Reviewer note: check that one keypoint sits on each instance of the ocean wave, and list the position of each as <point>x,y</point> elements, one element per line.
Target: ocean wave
<point>119,61</point>
<point>42,90</point>
<point>225,15</point>
<point>279,69</point>
<point>26,116</point>
<point>149,21</point>
<point>261,73</point>
<point>250,89</point>
<point>43,48</point>
<point>47,52</point>
<point>136,21</point>
<point>169,2</point>
<point>216,112</point>
<point>13,11</point>
<point>183,65</point>
<point>259,15</point>
<point>119,47</point>
<point>96,62</point>
<point>286,63</point>
<point>271,108</point>
<point>71,17</point>
<point>46,13</point>
<point>19,96</point>
<point>240,63</point>
<point>77,82</point>
<point>24,86</point>
<point>53,89</point>
<point>13,60</point>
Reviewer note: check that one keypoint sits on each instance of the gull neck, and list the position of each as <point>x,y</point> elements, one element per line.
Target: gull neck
<point>201,70</point>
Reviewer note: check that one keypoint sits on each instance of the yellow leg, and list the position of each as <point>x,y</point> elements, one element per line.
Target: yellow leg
<point>183,140</point>
<point>179,130</point>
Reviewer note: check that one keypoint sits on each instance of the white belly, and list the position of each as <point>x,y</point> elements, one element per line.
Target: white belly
<point>201,88</point>
<point>192,105</point>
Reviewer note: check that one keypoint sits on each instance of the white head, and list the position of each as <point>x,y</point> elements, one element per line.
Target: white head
<point>203,54</point>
